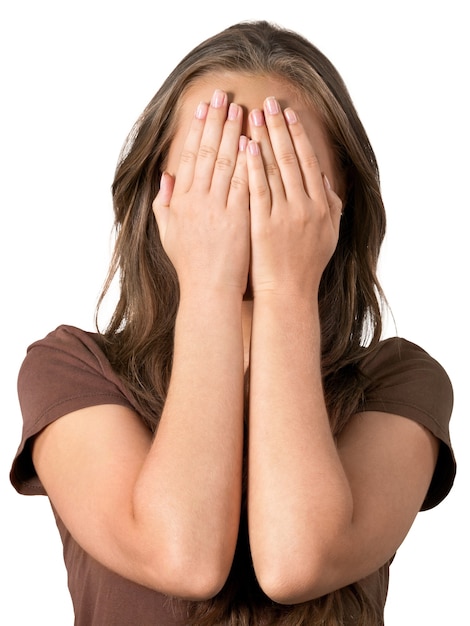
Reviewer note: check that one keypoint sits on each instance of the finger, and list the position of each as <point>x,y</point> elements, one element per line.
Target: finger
<point>259,189</point>
<point>260,133</point>
<point>283,148</point>
<point>208,149</point>
<point>238,197</point>
<point>189,154</point>
<point>228,153</point>
<point>335,203</point>
<point>161,204</point>
<point>308,166</point>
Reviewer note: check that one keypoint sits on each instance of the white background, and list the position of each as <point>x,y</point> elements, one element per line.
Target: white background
<point>75,76</point>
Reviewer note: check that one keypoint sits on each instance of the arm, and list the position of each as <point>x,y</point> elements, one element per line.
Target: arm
<point>322,514</point>
<point>165,512</point>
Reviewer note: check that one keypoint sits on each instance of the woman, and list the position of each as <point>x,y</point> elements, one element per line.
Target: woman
<point>239,446</point>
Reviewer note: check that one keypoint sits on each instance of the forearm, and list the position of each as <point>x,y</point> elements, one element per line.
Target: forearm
<point>193,471</point>
<point>299,497</point>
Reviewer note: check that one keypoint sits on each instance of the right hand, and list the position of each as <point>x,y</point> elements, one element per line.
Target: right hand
<point>203,213</point>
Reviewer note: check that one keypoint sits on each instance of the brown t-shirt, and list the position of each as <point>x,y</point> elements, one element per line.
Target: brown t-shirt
<point>68,371</point>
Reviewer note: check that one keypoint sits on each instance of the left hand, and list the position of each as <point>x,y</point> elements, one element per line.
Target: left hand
<point>295,215</point>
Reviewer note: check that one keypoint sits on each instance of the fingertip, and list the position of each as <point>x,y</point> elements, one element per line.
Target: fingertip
<point>326,182</point>
<point>331,193</point>
<point>166,179</point>
<point>334,201</point>
<point>253,147</point>
<point>163,197</point>
<point>242,143</point>
<point>201,111</point>
<point>167,183</point>
<point>290,116</point>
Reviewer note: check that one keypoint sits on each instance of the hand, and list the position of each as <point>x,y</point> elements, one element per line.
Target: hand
<point>295,215</point>
<point>203,214</point>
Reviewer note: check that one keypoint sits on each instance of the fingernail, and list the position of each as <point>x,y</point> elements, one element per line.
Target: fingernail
<point>257,117</point>
<point>272,106</point>
<point>253,148</point>
<point>218,99</point>
<point>327,182</point>
<point>290,116</point>
<point>242,143</point>
<point>201,110</point>
<point>233,111</point>
<point>164,181</point>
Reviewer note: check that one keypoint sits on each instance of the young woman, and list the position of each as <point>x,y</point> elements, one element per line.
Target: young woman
<point>239,446</point>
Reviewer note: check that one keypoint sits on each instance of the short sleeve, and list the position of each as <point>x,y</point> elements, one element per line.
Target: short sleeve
<point>64,372</point>
<point>406,380</point>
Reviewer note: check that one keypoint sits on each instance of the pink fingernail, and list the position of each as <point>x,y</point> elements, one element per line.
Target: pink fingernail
<point>242,143</point>
<point>232,111</point>
<point>218,99</point>
<point>201,110</point>
<point>290,116</point>
<point>253,148</point>
<point>272,106</point>
<point>257,117</point>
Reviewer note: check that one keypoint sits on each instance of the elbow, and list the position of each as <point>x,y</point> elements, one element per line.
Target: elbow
<point>187,577</point>
<point>196,587</point>
<point>181,564</point>
<point>297,567</point>
<point>210,583</point>
<point>288,587</point>
<point>296,578</point>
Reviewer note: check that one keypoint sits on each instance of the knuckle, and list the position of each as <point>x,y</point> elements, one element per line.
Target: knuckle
<point>311,162</point>
<point>187,156</point>
<point>238,182</point>
<point>206,152</point>
<point>260,191</point>
<point>271,169</point>
<point>288,158</point>
<point>223,163</point>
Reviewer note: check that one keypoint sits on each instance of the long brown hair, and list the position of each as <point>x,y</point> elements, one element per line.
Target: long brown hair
<point>139,337</point>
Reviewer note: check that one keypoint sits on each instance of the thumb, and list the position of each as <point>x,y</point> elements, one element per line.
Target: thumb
<point>161,204</point>
<point>334,202</point>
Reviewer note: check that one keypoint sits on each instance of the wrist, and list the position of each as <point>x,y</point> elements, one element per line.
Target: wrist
<point>288,298</point>
<point>293,315</point>
<point>209,301</point>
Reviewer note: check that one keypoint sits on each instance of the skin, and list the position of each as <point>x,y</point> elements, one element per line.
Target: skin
<point>248,195</point>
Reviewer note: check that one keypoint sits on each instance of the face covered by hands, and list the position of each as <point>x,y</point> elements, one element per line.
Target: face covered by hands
<point>248,190</point>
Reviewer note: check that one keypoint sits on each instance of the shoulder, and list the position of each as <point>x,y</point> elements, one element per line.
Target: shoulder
<point>400,352</point>
<point>400,369</point>
<point>403,379</point>
<point>70,342</point>
<point>61,373</point>
<point>67,364</point>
